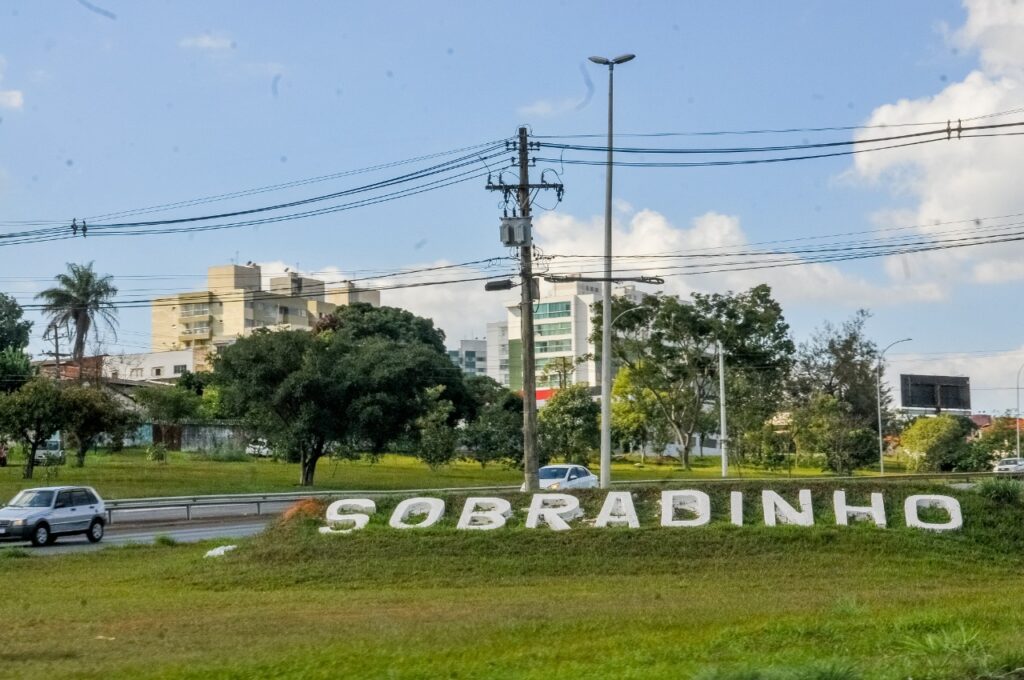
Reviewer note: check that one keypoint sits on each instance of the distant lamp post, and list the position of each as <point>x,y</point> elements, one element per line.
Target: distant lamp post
<point>606,334</point>
<point>878,387</point>
<point>1017,419</point>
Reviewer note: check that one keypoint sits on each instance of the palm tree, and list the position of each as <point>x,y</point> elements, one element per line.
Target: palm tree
<point>81,298</point>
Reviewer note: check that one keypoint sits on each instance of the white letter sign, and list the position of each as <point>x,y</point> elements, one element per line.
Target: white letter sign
<point>776,509</point>
<point>354,513</point>
<point>617,510</point>
<point>950,505</point>
<point>485,513</point>
<point>433,508</point>
<point>554,509</point>
<point>696,502</point>
<point>876,511</point>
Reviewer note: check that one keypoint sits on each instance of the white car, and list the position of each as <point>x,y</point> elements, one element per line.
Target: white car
<point>560,477</point>
<point>259,448</point>
<point>41,515</point>
<point>1010,465</point>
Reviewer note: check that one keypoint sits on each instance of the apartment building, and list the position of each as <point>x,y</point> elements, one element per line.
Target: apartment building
<point>471,357</point>
<point>163,366</point>
<point>235,303</point>
<point>562,329</point>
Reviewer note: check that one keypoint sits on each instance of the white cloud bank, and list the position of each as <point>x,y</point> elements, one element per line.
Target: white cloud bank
<point>209,42</point>
<point>10,99</point>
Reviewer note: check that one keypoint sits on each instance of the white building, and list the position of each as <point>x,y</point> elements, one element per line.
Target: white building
<point>562,329</point>
<point>149,365</point>
<point>471,357</point>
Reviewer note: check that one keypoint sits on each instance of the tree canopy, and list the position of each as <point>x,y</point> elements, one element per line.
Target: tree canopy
<point>83,299</point>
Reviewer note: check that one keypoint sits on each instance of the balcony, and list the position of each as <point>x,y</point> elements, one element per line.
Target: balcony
<point>202,333</point>
<point>194,317</point>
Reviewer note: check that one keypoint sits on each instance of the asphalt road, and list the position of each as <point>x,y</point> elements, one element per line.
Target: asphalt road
<point>182,532</point>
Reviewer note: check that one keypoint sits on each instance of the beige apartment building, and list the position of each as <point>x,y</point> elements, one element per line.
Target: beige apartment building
<point>234,303</point>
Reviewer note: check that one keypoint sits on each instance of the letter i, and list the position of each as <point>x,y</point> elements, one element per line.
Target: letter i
<point>736,507</point>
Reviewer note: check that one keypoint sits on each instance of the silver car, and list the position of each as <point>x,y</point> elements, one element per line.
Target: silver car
<point>560,477</point>
<point>41,515</point>
<point>1010,465</point>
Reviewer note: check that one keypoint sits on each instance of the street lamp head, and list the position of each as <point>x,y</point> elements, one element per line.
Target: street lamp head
<point>623,58</point>
<point>600,60</point>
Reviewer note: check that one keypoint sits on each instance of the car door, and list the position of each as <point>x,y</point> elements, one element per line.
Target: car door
<point>587,479</point>
<point>85,507</point>
<point>573,481</point>
<point>64,515</point>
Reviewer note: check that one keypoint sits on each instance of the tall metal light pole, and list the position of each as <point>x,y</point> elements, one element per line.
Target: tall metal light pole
<point>878,387</point>
<point>606,307</point>
<point>1017,419</point>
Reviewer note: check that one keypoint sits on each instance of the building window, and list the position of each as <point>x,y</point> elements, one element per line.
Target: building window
<point>179,369</point>
<point>560,328</point>
<point>157,371</point>
<point>548,346</point>
<point>552,310</point>
<point>135,373</point>
<point>113,374</point>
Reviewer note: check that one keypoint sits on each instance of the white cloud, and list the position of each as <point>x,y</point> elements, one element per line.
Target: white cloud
<point>960,179</point>
<point>649,233</point>
<point>211,42</point>
<point>9,99</point>
<point>547,108</point>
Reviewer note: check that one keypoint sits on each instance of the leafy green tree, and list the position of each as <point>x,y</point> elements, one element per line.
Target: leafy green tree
<point>32,414</point>
<point>766,447</point>
<point>940,444</point>
<point>15,365</point>
<point>169,405</point>
<point>671,346</point>
<point>842,363</point>
<point>497,431</point>
<point>999,439</point>
<point>636,418</point>
<point>14,331</point>
<point>356,384</point>
<point>90,412</point>
<point>83,299</point>
<point>437,437</point>
<point>827,427</point>
<point>568,425</point>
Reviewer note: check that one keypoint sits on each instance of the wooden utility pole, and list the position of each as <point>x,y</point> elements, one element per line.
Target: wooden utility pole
<point>517,231</point>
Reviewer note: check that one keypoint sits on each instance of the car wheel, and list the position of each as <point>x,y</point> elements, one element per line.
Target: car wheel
<point>95,533</point>
<point>41,535</point>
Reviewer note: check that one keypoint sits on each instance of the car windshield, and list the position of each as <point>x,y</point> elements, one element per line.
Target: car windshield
<point>32,499</point>
<point>1009,461</point>
<point>552,472</point>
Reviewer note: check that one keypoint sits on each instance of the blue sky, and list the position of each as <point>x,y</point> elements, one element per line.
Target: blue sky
<point>170,101</point>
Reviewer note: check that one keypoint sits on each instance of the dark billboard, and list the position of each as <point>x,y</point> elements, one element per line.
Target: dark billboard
<point>935,392</point>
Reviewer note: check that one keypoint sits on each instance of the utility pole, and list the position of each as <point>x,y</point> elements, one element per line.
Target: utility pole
<point>517,231</point>
<point>723,436</point>
<point>52,328</point>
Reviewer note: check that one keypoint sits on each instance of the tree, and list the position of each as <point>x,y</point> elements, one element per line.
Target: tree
<point>636,419</point>
<point>568,425</point>
<point>83,299</point>
<point>999,439</point>
<point>358,383</point>
<point>15,365</point>
<point>90,412</point>
<point>671,346</point>
<point>169,405</point>
<point>940,444</point>
<point>14,331</point>
<point>497,431</point>
<point>32,414</point>
<point>841,362</point>
<point>827,426</point>
<point>437,437</point>
<point>562,369</point>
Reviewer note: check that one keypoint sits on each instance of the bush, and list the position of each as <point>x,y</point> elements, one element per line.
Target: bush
<point>1005,491</point>
<point>157,453</point>
<point>165,540</point>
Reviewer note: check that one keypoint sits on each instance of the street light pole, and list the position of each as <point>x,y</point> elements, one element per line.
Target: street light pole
<point>878,387</point>
<point>1016,421</point>
<point>606,306</point>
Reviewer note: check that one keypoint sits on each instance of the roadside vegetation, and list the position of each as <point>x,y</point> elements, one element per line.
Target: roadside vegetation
<point>722,602</point>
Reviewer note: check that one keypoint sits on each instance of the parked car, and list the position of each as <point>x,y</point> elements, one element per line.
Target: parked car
<point>259,448</point>
<point>1010,465</point>
<point>41,515</point>
<point>559,477</point>
<point>50,453</point>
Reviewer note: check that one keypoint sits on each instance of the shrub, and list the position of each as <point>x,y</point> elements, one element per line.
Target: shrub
<point>157,453</point>
<point>165,540</point>
<point>1005,491</point>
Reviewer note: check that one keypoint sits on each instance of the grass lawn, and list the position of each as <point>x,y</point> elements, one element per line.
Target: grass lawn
<point>716,602</point>
<point>131,475</point>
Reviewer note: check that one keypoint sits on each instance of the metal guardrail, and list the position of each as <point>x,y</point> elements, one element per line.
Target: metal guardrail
<point>258,500</point>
